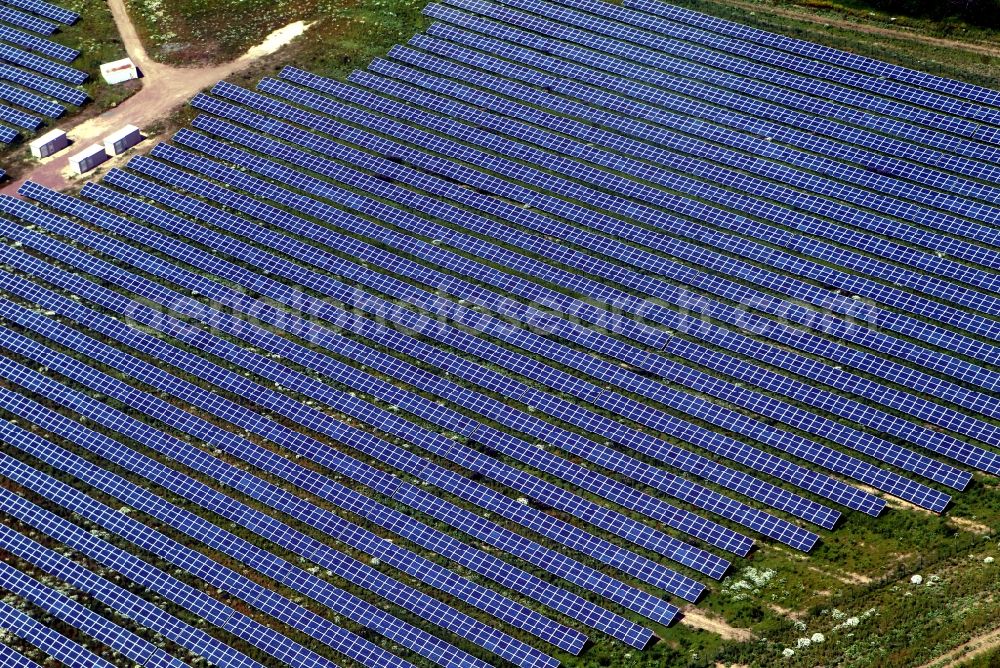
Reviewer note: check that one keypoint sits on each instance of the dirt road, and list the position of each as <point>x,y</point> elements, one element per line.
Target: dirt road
<point>164,89</point>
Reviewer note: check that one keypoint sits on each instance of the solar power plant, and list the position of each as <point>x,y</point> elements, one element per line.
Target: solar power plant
<point>37,81</point>
<point>516,342</point>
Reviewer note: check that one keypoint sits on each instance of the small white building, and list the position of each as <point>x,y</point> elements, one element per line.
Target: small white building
<point>122,140</point>
<point>87,159</point>
<point>49,143</point>
<point>119,71</point>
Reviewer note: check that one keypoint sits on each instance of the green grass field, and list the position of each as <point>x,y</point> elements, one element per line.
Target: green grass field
<point>855,588</point>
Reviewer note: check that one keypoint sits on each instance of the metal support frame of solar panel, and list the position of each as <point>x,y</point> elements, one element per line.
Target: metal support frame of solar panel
<point>703,152</point>
<point>264,562</point>
<point>900,425</point>
<point>269,528</point>
<point>25,20</point>
<point>828,374</point>
<point>876,365</point>
<point>248,517</point>
<point>12,659</point>
<point>137,570</point>
<point>30,101</point>
<point>689,97</point>
<point>192,393</point>
<point>819,52</point>
<point>907,106</point>
<point>46,9</point>
<point>44,85</point>
<point>69,611</point>
<point>39,44</point>
<point>853,282</point>
<point>627,185</point>
<point>128,604</point>
<point>53,643</point>
<point>656,133</point>
<point>638,534</point>
<point>246,161</point>
<point>43,65</point>
<point>503,358</point>
<point>428,571</point>
<point>877,85</point>
<point>529,454</point>
<point>733,74</point>
<point>455,365</point>
<point>414,404</point>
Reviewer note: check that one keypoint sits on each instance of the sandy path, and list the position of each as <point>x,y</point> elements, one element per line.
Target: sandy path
<point>903,33</point>
<point>966,651</point>
<point>164,89</point>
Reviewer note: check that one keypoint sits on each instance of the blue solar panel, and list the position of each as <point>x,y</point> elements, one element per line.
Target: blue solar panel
<point>280,570</point>
<point>819,52</point>
<point>76,615</point>
<point>271,529</point>
<point>51,642</point>
<point>129,604</point>
<point>11,659</point>
<point>42,65</point>
<point>625,189</point>
<point>330,524</point>
<point>39,44</point>
<point>30,101</point>
<point>600,485</point>
<point>634,531</point>
<point>662,367</point>
<point>46,9</point>
<point>133,568</point>
<point>621,205</point>
<point>44,85</point>
<point>655,152</point>
<point>7,136</point>
<point>781,83</point>
<point>574,67</point>
<point>631,125</point>
<point>18,117</point>
<point>796,338</point>
<point>23,20</point>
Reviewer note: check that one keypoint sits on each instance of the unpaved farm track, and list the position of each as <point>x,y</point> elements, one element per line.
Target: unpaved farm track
<point>809,16</point>
<point>967,650</point>
<point>164,89</point>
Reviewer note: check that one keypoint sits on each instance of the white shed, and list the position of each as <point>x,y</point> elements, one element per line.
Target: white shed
<point>122,140</point>
<point>119,71</point>
<point>49,143</point>
<point>87,159</point>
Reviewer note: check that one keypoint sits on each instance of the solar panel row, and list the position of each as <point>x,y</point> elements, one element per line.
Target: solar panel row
<point>656,152</point>
<point>850,104</point>
<point>353,571</point>
<point>568,68</point>
<point>388,169</point>
<point>137,570</point>
<point>822,273</point>
<point>24,20</point>
<point>600,485</point>
<point>658,365</point>
<point>273,171</point>
<point>41,45</point>
<point>56,645</point>
<point>19,118</point>
<point>42,65</point>
<point>430,572</point>
<point>130,605</point>
<point>11,659</point>
<point>71,612</point>
<point>620,301</point>
<point>812,51</point>
<point>46,9</point>
<point>259,559</point>
<point>623,188</point>
<point>43,85</point>
<point>30,101</point>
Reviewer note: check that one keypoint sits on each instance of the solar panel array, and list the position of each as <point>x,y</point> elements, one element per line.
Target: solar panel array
<point>519,338</point>
<point>36,81</point>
